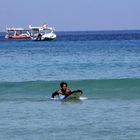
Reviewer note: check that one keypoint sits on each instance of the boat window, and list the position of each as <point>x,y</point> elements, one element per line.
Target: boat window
<point>47,31</point>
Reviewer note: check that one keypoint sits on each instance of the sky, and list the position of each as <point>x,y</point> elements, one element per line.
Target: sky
<point>71,15</point>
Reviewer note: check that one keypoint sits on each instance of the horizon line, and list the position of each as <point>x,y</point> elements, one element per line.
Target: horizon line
<point>104,30</point>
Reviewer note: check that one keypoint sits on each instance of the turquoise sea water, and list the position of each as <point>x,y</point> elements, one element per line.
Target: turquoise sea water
<point>105,65</point>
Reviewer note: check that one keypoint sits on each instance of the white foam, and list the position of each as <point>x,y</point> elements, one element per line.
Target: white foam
<point>55,98</point>
<point>83,98</point>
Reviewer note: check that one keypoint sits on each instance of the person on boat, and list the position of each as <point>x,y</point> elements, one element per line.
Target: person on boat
<point>39,36</point>
<point>63,92</point>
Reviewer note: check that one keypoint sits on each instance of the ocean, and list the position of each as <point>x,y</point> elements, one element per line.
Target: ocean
<point>105,65</point>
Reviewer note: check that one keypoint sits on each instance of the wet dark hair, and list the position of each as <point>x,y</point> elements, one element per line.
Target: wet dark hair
<point>63,83</point>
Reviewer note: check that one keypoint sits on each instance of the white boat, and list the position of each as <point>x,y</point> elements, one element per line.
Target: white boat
<point>42,33</point>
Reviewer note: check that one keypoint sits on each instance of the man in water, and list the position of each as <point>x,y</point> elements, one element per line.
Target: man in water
<point>63,92</point>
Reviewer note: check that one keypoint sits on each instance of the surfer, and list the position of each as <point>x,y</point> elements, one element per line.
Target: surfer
<point>63,92</point>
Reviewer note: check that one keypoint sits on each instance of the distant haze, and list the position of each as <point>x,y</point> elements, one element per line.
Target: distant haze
<point>69,15</point>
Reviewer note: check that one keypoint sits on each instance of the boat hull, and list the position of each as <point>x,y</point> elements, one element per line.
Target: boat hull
<point>42,39</point>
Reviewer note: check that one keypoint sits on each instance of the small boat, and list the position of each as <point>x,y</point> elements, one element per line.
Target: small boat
<point>42,33</point>
<point>17,33</point>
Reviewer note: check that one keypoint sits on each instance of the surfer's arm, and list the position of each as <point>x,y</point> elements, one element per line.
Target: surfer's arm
<point>68,93</point>
<point>54,94</point>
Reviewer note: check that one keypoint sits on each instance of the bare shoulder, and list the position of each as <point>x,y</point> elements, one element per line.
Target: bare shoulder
<point>68,90</point>
<point>59,91</point>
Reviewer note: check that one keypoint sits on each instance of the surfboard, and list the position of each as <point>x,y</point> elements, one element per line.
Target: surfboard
<point>74,95</point>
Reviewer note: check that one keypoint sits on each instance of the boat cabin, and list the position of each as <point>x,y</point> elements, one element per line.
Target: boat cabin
<point>17,33</point>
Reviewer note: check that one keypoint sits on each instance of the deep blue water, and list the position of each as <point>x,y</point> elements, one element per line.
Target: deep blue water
<point>105,65</point>
<point>73,55</point>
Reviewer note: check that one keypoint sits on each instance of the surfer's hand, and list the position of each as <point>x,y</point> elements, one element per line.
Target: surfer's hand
<point>79,91</point>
